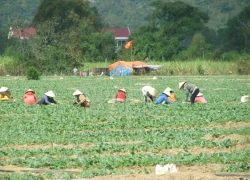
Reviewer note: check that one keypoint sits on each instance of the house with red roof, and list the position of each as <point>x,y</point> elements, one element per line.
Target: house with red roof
<point>22,33</point>
<point>121,35</point>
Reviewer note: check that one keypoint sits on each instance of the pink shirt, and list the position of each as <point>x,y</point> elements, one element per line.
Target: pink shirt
<point>200,99</point>
<point>29,98</point>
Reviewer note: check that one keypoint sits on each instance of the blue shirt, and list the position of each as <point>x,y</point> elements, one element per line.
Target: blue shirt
<point>163,98</point>
<point>46,100</point>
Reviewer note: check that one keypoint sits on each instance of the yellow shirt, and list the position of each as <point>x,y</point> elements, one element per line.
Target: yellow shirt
<point>172,97</point>
<point>5,96</point>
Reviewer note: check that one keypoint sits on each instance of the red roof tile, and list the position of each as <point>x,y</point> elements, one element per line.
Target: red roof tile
<point>119,32</point>
<point>23,33</point>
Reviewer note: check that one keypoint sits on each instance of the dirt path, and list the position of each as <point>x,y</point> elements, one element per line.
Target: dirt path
<point>184,173</point>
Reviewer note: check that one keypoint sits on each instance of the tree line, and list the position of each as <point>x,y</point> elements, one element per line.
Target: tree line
<point>69,33</point>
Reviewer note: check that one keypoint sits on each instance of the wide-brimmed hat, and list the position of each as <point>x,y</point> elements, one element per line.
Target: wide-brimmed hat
<point>244,98</point>
<point>122,90</point>
<point>181,84</point>
<point>152,92</point>
<point>3,89</point>
<point>30,90</point>
<point>50,94</point>
<point>199,94</point>
<point>167,91</point>
<point>77,92</point>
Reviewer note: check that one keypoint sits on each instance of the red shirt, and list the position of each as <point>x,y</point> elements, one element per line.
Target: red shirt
<point>29,98</point>
<point>120,96</point>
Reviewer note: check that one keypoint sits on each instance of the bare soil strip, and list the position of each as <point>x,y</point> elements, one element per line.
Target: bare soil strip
<point>205,172</point>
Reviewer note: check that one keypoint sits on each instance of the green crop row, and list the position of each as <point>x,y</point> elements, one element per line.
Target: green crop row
<point>105,138</point>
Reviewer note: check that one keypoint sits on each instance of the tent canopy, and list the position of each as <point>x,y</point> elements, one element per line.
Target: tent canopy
<point>123,68</point>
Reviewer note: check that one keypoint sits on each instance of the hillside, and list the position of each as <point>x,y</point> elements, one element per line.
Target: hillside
<point>135,13</point>
<point>120,13</point>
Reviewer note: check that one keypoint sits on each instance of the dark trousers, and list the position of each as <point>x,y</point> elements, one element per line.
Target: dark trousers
<point>193,96</point>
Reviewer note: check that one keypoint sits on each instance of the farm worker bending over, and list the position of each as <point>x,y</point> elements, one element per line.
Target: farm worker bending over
<point>167,97</point>
<point>121,96</point>
<point>189,88</point>
<point>200,99</point>
<point>29,97</point>
<point>47,98</point>
<point>149,92</point>
<point>81,99</point>
<point>5,94</point>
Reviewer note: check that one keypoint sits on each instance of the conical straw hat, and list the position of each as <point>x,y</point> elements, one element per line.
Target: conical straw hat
<point>3,89</point>
<point>167,91</point>
<point>50,94</point>
<point>77,92</point>
<point>122,90</point>
<point>200,94</point>
<point>181,84</point>
<point>30,90</point>
<point>152,92</point>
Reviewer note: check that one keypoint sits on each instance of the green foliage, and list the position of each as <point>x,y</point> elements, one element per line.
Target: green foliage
<point>172,26</point>
<point>237,167</point>
<point>32,73</point>
<point>200,70</point>
<point>243,67</point>
<point>236,35</point>
<point>68,14</point>
<point>123,136</point>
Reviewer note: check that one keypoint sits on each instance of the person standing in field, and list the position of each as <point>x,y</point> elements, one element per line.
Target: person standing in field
<point>149,93</point>
<point>81,99</point>
<point>121,96</point>
<point>5,94</point>
<point>200,99</point>
<point>75,71</point>
<point>167,97</point>
<point>47,98</point>
<point>189,89</point>
<point>29,97</point>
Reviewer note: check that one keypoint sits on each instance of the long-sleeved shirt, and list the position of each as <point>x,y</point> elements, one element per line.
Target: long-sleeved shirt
<point>29,98</point>
<point>145,92</point>
<point>120,96</point>
<point>189,88</point>
<point>82,100</point>
<point>5,96</point>
<point>162,99</point>
<point>46,100</point>
<point>172,97</point>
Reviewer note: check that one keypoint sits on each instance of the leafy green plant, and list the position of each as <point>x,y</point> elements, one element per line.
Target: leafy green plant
<point>243,67</point>
<point>201,70</point>
<point>32,73</point>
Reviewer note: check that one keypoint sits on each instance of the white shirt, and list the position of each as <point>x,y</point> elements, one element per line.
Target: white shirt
<point>145,91</point>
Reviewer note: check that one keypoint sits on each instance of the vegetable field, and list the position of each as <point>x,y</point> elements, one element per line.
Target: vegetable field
<point>62,141</point>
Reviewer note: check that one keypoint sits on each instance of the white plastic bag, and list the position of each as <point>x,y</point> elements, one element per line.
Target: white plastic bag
<point>168,168</point>
<point>244,99</point>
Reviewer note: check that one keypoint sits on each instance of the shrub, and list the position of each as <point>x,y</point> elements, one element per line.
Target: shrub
<point>32,73</point>
<point>200,70</point>
<point>243,67</point>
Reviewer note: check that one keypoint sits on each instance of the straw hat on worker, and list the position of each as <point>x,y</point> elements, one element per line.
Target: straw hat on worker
<point>30,90</point>
<point>77,92</point>
<point>50,94</point>
<point>3,89</point>
<point>149,92</point>
<point>167,91</point>
<point>170,93</point>
<point>181,84</point>
<point>122,90</point>
<point>199,94</point>
<point>152,92</point>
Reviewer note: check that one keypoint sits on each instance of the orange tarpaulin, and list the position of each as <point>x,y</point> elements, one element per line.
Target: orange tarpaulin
<point>127,64</point>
